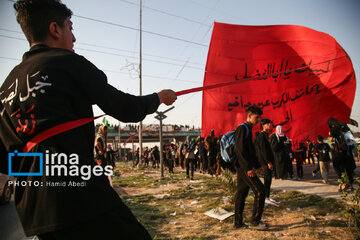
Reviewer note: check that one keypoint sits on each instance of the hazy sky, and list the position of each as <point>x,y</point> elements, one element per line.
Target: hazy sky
<point>176,38</point>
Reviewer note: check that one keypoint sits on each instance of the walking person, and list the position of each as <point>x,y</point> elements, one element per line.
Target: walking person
<point>300,155</point>
<point>278,140</point>
<point>342,162</point>
<point>245,165</point>
<point>210,145</point>
<point>289,158</point>
<point>155,157</point>
<point>53,85</point>
<point>190,157</point>
<point>265,156</point>
<point>169,160</point>
<point>322,151</point>
<point>203,156</point>
<point>309,152</point>
<point>100,146</point>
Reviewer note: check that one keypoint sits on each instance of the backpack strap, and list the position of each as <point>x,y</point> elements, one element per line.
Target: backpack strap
<point>247,129</point>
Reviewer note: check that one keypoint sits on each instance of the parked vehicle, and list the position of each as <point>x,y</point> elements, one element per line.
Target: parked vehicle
<point>6,189</point>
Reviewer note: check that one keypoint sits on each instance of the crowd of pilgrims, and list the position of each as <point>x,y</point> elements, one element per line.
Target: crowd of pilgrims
<point>203,155</point>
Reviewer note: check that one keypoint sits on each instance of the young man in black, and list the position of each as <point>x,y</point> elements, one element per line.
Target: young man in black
<point>245,165</point>
<point>51,86</point>
<point>265,156</point>
<point>322,153</point>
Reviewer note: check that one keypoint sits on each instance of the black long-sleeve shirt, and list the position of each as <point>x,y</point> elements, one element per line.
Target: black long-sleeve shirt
<point>264,151</point>
<point>49,87</point>
<point>244,148</point>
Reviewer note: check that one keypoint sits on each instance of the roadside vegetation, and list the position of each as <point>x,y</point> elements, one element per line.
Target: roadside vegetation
<point>174,207</point>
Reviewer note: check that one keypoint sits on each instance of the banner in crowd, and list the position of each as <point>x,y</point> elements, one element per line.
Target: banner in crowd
<point>299,77</point>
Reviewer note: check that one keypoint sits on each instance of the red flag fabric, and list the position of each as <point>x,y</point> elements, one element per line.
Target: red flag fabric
<point>299,77</point>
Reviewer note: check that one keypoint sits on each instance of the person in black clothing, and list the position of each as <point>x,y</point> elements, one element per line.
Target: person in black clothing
<point>300,155</point>
<point>265,155</point>
<point>210,145</point>
<point>190,145</point>
<point>322,153</point>
<point>245,165</point>
<point>203,156</point>
<point>51,86</point>
<point>309,151</point>
<point>169,158</point>
<point>342,161</point>
<point>289,158</point>
<point>278,147</point>
<point>155,157</point>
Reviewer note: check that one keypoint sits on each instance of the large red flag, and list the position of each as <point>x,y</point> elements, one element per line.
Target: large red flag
<point>298,76</point>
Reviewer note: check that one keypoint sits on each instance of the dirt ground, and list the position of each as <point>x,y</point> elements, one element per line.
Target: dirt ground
<point>175,210</point>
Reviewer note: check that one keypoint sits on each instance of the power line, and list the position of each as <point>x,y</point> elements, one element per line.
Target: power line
<point>110,48</point>
<point>167,13</point>
<point>114,54</point>
<point>145,31</point>
<point>136,29</point>
<point>188,60</point>
<point>216,10</point>
<point>153,76</point>
<point>9,58</point>
<point>106,70</point>
<point>145,59</point>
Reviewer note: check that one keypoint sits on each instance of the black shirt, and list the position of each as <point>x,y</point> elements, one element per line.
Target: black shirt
<point>264,152</point>
<point>322,152</point>
<point>49,87</point>
<point>244,148</point>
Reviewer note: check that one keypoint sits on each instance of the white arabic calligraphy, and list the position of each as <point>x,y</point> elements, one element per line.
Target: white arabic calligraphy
<point>37,86</point>
<point>30,90</point>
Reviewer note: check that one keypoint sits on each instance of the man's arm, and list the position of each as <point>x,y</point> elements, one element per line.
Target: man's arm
<point>124,107</point>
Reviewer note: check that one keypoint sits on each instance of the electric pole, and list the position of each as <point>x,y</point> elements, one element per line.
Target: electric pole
<point>140,85</point>
<point>161,116</point>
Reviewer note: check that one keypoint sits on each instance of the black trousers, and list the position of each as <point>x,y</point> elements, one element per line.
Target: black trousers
<point>267,180</point>
<point>299,170</point>
<point>244,183</point>
<point>190,165</point>
<point>118,223</point>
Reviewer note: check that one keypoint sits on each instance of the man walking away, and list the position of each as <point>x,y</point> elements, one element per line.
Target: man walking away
<point>245,165</point>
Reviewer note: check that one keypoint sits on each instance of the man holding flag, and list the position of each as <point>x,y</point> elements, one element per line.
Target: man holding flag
<point>52,86</point>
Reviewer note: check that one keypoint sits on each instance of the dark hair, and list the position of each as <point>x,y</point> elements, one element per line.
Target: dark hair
<point>320,138</point>
<point>254,109</point>
<point>35,16</point>
<point>263,122</point>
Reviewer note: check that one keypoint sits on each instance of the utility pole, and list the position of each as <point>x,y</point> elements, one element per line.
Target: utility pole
<point>119,143</point>
<point>140,85</point>
<point>161,116</point>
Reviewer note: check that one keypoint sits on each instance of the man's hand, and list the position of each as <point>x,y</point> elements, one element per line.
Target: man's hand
<point>167,96</point>
<point>270,166</point>
<point>251,173</point>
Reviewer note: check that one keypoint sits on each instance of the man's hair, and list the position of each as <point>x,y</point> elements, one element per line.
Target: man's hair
<point>254,110</point>
<point>35,16</point>
<point>320,138</point>
<point>263,122</point>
